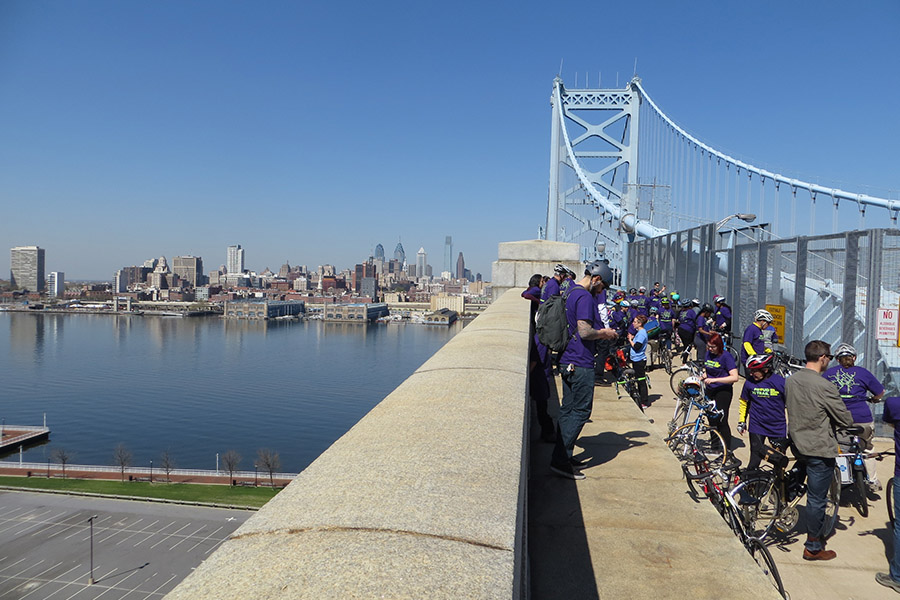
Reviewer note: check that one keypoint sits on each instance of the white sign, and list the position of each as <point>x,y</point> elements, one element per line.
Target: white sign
<point>886,324</point>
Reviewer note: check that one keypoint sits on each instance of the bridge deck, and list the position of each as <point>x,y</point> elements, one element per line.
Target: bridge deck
<point>631,529</point>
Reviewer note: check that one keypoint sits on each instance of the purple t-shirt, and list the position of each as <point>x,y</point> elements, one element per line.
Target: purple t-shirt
<point>551,288</point>
<point>700,322</point>
<point>580,306</point>
<point>892,416</point>
<point>686,321</point>
<point>757,338</point>
<point>766,406</point>
<point>723,315</point>
<point>718,366</point>
<point>855,385</point>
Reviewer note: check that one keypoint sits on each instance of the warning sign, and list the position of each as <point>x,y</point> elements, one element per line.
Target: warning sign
<point>886,324</point>
<point>779,313</point>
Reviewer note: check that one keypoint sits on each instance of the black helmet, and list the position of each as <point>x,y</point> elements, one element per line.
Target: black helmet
<point>598,267</point>
<point>707,307</point>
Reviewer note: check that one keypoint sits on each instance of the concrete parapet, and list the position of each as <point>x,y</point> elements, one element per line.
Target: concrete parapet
<point>423,498</point>
<point>518,261</point>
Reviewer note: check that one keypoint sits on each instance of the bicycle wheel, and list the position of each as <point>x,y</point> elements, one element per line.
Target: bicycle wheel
<point>759,502</point>
<point>734,354</point>
<point>681,441</point>
<point>764,559</point>
<point>679,416</point>
<point>667,360</point>
<point>859,486</point>
<point>678,376</point>
<point>889,498</point>
<point>832,501</point>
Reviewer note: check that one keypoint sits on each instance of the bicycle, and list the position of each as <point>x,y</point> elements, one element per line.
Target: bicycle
<point>661,354</point>
<point>785,364</point>
<point>629,382</point>
<point>693,368</point>
<point>851,466</point>
<point>697,445</point>
<point>728,339</point>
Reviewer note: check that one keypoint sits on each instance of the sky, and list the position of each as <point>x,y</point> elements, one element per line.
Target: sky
<point>310,132</point>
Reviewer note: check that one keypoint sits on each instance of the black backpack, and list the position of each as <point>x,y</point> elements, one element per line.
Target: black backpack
<point>551,324</point>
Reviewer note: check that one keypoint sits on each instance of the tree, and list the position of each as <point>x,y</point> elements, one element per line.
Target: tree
<point>167,463</point>
<point>122,457</point>
<point>231,460</point>
<point>62,456</point>
<point>268,461</point>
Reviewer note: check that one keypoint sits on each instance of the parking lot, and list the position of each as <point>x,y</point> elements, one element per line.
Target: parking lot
<point>140,550</point>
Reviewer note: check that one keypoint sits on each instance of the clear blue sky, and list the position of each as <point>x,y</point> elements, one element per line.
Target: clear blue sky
<point>313,131</point>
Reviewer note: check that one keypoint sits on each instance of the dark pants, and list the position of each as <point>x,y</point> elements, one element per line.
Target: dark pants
<point>758,448</point>
<point>700,345</point>
<point>640,373</point>
<point>722,396</point>
<point>895,558</point>
<point>819,472</point>
<point>604,350</point>
<point>574,411</point>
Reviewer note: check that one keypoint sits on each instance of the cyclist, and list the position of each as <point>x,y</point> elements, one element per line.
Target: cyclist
<point>762,400</point>
<point>638,345</point>
<point>757,337</point>
<point>642,300</point>
<point>703,330</point>
<point>719,377</point>
<point>722,314</point>
<point>857,385</point>
<point>551,288</point>
<point>687,324</point>
<point>891,579</point>
<point>666,321</point>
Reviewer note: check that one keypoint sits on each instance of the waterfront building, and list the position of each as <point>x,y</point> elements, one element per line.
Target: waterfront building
<point>256,309</point>
<point>355,313</point>
<point>443,316</point>
<point>234,261</point>
<point>56,284</point>
<point>448,302</point>
<point>189,268</point>
<point>27,268</point>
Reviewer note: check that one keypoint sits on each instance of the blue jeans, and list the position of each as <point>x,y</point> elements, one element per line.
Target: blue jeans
<point>819,473</point>
<point>895,559</point>
<point>574,411</point>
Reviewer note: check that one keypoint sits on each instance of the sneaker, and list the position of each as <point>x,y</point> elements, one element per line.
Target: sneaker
<point>567,471</point>
<point>886,580</point>
<point>875,486</point>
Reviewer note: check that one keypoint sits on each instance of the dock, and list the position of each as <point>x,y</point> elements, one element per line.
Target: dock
<point>13,436</point>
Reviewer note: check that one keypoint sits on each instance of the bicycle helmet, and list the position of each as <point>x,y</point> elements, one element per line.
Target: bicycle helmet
<point>845,349</point>
<point>654,310</point>
<point>664,301</point>
<point>632,291</point>
<point>675,296</point>
<point>763,315</point>
<point>598,267</point>
<point>719,300</point>
<point>571,274</point>
<point>695,301</point>
<point>642,289</point>
<point>707,307</point>
<point>560,269</point>
<point>635,304</point>
<point>684,303</point>
<point>760,361</point>
<point>693,387</point>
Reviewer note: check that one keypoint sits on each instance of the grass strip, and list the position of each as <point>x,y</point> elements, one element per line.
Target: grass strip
<point>253,497</point>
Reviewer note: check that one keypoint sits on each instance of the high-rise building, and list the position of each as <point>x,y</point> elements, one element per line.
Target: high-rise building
<point>448,253</point>
<point>379,252</point>
<point>360,272</point>
<point>400,254</point>
<point>189,268</point>
<point>27,268</point>
<point>421,262</point>
<point>56,284</point>
<point>234,262</point>
<point>460,267</point>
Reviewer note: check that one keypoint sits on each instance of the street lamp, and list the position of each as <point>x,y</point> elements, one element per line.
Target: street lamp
<point>747,217</point>
<point>255,475</point>
<point>91,578</point>
<point>151,470</point>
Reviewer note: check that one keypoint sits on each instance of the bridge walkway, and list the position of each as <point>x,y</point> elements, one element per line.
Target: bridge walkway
<point>631,528</point>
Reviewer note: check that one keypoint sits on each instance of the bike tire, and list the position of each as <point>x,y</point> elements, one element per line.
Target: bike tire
<point>667,360</point>
<point>764,559</point>
<point>680,441</point>
<point>859,486</point>
<point>889,498</point>
<point>759,502</point>
<point>832,502</point>
<point>679,416</point>
<point>734,354</point>
<point>678,376</point>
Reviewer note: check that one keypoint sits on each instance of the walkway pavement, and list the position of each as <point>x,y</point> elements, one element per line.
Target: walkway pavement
<point>631,529</point>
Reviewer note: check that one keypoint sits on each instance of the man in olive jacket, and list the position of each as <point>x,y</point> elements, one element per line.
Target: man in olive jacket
<point>814,409</point>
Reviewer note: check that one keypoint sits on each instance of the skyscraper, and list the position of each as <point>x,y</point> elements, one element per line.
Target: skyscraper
<point>460,267</point>
<point>189,268</point>
<point>448,253</point>
<point>400,254</point>
<point>421,263</point>
<point>56,284</point>
<point>234,262</point>
<point>379,252</point>
<point>27,268</point>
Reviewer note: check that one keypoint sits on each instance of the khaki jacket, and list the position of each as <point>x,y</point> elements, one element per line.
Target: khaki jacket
<point>814,409</point>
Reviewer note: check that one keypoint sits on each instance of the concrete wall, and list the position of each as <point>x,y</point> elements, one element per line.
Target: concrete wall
<point>518,261</point>
<point>423,498</point>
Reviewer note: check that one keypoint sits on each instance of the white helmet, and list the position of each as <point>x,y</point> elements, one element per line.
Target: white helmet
<point>845,349</point>
<point>692,386</point>
<point>763,315</point>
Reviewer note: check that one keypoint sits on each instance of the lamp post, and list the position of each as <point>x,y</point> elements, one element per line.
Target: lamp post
<point>151,470</point>
<point>91,578</point>
<point>746,217</point>
<point>255,475</point>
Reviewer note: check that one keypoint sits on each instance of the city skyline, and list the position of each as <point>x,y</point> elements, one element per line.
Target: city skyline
<point>117,146</point>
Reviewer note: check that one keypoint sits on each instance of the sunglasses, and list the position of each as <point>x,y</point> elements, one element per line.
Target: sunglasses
<point>830,357</point>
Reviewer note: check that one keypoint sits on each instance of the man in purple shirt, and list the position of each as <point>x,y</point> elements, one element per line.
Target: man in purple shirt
<point>892,418</point>
<point>576,366</point>
<point>857,387</point>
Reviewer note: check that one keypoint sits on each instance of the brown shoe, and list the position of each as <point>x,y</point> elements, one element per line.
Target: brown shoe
<point>819,554</point>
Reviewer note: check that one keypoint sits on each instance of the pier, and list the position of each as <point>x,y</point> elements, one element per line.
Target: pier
<point>13,436</point>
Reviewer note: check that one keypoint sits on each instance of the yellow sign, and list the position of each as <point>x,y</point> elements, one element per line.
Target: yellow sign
<point>779,313</point>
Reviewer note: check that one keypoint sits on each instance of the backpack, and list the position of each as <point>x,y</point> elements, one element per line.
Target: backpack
<point>552,326</point>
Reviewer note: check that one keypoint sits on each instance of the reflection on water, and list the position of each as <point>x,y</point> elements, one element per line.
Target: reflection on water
<point>200,386</point>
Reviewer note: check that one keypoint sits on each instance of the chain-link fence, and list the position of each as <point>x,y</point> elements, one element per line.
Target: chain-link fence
<point>828,287</point>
